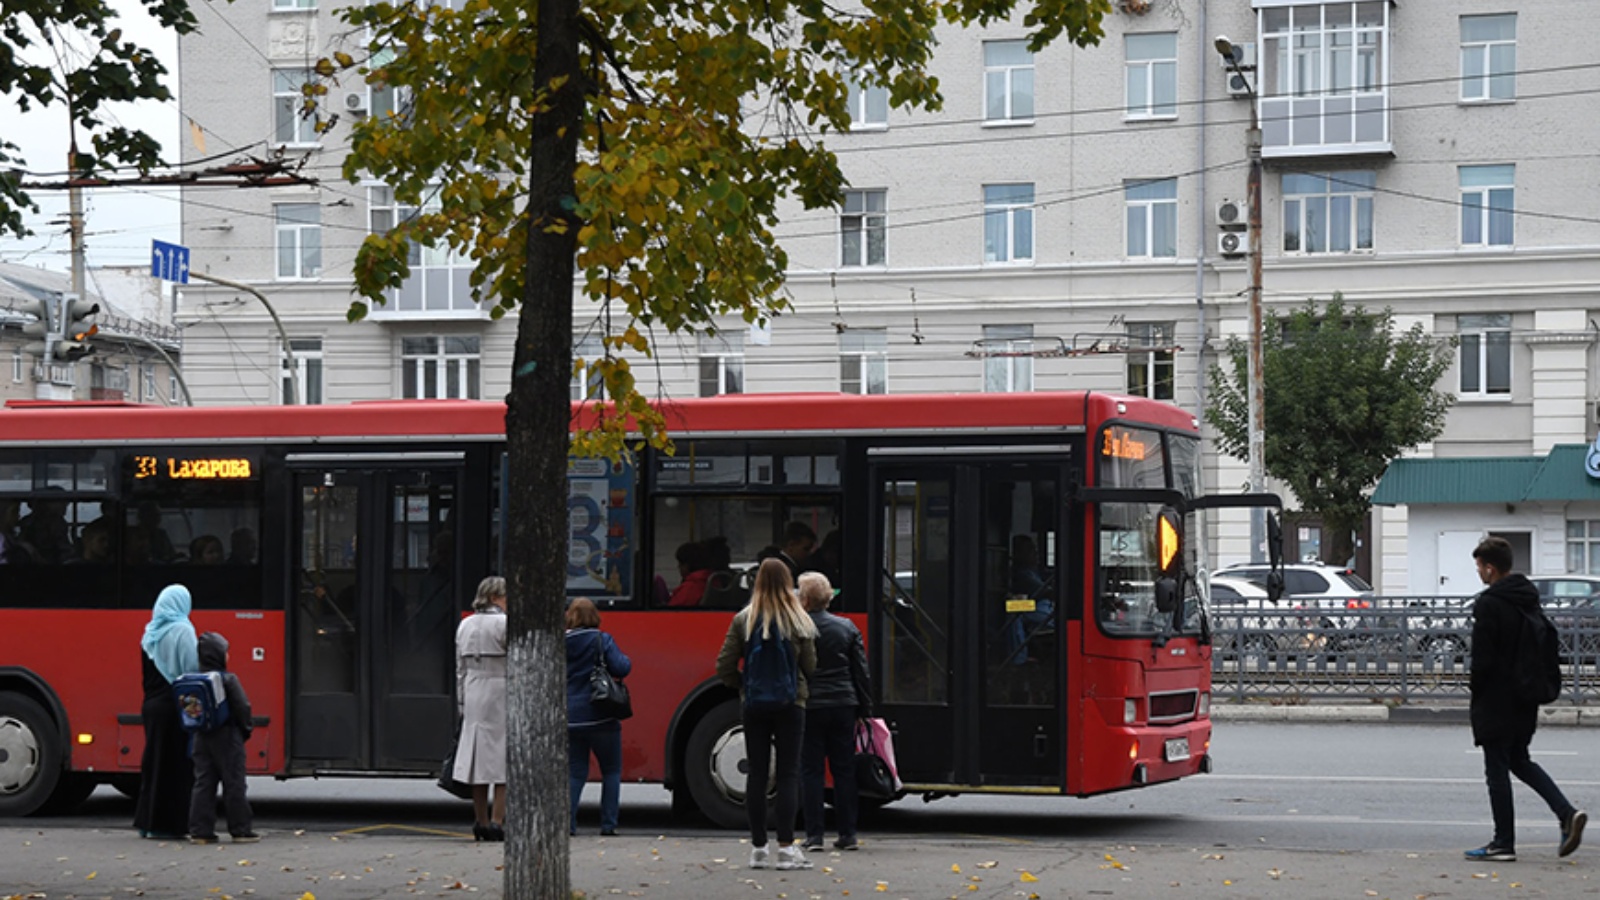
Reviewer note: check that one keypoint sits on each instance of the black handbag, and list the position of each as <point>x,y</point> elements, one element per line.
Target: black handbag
<point>873,778</point>
<point>447,774</point>
<point>608,695</point>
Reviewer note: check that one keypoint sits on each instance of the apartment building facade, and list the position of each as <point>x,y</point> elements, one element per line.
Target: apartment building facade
<point>1069,219</point>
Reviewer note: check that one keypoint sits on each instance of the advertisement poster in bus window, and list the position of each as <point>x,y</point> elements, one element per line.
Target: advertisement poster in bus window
<point>600,504</point>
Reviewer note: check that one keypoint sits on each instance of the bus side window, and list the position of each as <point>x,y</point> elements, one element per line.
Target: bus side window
<point>192,520</point>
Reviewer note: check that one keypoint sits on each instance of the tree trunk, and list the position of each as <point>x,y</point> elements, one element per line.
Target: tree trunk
<point>537,421</point>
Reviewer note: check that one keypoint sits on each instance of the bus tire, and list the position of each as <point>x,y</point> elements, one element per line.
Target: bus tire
<point>714,766</point>
<point>126,783</point>
<point>30,755</point>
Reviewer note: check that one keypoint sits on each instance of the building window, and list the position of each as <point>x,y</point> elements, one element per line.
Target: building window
<point>288,102</point>
<point>1327,212</point>
<point>1488,201</point>
<point>864,361</point>
<point>1008,367</point>
<point>307,371</point>
<point>172,390</point>
<point>1321,77</point>
<point>440,279</point>
<point>1489,57</point>
<point>1150,359</point>
<point>147,383</point>
<point>1152,72</point>
<point>17,367</point>
<point>1152,218</point>
<point>587,382</point>
<point>439,368</point>
<point>1583,547</point>
<point>294,4</point>
<point>1485,355</point>
<point>862,229</point>
<point>869,105</point>
<point>1007,222</point>
<point>1007,81</point>
<point>299,239</point>
<point>721,363</point>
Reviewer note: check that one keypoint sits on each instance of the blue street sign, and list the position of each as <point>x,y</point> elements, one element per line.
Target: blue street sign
<point>169,262</point>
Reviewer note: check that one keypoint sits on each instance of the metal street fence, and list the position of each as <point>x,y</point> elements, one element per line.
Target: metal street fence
<point>1402,649</point>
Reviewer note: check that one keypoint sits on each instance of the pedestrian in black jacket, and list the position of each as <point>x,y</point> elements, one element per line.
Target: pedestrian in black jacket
<point>1502,723</point>
<point>219,756</point>
<point>840,694</point>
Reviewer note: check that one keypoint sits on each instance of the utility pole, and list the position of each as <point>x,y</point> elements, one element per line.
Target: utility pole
<point>288,351</point>
<point>75,218</point>
<point>1256,377</point>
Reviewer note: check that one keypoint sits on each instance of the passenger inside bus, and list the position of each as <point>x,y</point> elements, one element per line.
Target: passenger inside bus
<point>12,549</point>
<point>694,570</point>
<point>206,550</point>
<point>797,543</point>
<point>157,543</point>
<point>243,550</point>
<point>94,544</point>
<point>826,558</point>
<point>1029,581</point>
<point>45,530</point>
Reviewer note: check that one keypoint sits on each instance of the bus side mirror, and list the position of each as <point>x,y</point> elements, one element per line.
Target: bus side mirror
<point>1166,594</point>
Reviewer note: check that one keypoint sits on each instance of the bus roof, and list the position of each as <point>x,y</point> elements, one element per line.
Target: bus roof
<point>36,422</point>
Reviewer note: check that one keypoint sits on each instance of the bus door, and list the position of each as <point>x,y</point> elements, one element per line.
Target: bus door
<point>966,625</point>
<point>376,601</point>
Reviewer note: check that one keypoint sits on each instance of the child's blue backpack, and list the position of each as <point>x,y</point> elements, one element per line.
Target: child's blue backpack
<point>202,701</point>
<point>771,677</point>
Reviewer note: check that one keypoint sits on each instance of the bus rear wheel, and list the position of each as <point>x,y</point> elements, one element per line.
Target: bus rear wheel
<point>715,766</point>
<point>30,755</point>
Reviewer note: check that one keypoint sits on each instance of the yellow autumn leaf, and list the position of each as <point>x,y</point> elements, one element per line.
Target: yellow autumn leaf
<point>956,868</point>
<point>308,896</point>
<point>91,875</point>
<point>1028,876</point>
<point>882,887</point>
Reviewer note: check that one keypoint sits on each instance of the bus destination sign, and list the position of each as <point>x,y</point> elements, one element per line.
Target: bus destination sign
<point>1120,443</point>
<point>175,468</point>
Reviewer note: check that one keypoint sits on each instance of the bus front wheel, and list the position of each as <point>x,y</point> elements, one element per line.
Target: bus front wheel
<point>30,755</point>
<point>714,766</point>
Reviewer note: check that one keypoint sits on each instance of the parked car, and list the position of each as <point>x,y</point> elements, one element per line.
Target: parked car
<point>1247,626</point>
<point>1573,604</point>
<point>1331,587</point>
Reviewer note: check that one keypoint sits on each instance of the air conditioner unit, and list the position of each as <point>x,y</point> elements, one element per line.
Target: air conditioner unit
<point>1244,56</point>
<point>356,102</point>
<point>1241,84</point>
<point>1231,214</point>
<point>1231,243</point>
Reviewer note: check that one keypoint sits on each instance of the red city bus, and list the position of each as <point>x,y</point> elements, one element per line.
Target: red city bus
<point>1030,627</point>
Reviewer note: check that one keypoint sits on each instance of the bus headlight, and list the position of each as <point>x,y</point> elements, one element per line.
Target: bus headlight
<point>1130,711</point>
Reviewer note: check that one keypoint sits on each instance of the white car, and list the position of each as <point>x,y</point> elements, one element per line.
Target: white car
<point>1326,587</point>
<point>1248,626</point>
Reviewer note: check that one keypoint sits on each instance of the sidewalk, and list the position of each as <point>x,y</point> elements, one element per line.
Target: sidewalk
<point>41,864</point>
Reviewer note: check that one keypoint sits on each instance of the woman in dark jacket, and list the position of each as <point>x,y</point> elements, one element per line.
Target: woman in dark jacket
<point>166,777</point>
<point>588,731</point>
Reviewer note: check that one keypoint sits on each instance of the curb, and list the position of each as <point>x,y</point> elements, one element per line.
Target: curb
<point>1556,716</point>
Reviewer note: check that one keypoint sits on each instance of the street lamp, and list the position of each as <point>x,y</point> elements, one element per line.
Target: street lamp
<point>1255,393</point>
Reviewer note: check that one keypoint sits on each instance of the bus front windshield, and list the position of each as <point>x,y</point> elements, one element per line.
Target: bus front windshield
<point>1135,458</point>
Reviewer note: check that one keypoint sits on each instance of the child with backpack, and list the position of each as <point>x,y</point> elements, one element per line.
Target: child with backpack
<point>219,730</point>
<point>775,641</point>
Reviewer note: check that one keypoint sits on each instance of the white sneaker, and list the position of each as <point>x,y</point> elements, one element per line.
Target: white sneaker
<point>760,858</point>
<point>792,857</point>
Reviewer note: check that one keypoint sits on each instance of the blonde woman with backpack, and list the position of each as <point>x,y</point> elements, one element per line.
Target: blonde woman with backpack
<point>775,641</point>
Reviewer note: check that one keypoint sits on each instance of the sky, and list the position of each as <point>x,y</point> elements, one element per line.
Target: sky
<point>119,222</point>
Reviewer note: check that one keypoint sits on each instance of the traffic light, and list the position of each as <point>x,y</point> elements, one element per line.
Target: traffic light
<point>74,310</point>
<point>70,345</point>
<point>40,327</point>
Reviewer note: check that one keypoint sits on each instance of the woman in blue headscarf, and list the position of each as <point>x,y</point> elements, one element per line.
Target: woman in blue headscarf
<point>166,776</point>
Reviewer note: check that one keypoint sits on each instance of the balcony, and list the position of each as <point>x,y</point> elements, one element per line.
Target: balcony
<point>1323,79</point>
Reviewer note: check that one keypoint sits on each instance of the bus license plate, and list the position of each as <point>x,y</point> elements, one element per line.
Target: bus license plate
<point>1177,749</point>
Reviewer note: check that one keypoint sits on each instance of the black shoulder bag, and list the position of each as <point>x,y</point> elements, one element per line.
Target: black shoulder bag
<point>608,695</point>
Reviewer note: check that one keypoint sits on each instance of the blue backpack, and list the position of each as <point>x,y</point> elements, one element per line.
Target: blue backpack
<point>202,701</point>
<point>771,674</point>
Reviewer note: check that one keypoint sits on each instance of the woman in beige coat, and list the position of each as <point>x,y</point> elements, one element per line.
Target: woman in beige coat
<point>481,696</point>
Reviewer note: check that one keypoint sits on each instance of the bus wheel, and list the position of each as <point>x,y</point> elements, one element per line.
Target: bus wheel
<point>30,756</point>
<point>715,766</point>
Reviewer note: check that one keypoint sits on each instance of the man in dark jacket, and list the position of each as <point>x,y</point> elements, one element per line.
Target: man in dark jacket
<point>839,695</point>
<point>1502,723</point>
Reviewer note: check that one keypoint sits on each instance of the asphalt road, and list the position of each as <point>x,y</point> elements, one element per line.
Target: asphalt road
<point>1334,787</point>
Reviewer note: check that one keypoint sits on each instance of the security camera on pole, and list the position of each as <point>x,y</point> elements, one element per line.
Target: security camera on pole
<point>1232,54</point>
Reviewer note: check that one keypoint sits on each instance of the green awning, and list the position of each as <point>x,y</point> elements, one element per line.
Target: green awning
<point>1483,479</point>
<point>1562,477</point>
